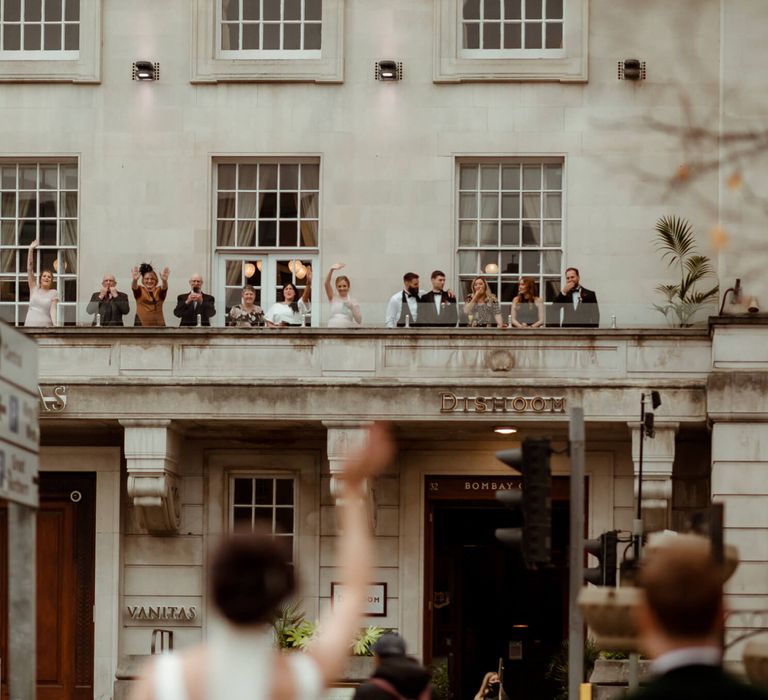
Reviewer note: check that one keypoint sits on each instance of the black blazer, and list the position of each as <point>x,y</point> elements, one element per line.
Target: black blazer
<point>585,315</point>
<point>429,316</point>
<point>188,313</point>
<point>699,682</point>
<point>111,310</point>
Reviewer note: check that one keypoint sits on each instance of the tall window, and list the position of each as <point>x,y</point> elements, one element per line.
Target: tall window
<point>510,225</point>
<point>270,28</point>
<point>39,202</point>
<point>265,504</point>
<point>512,25</point>
<point>45,29</point>
<point>267,225</point>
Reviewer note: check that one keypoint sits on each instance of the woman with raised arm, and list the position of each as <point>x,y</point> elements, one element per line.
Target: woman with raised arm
<point>291,310</point>
<point>149,295</point>
<point>250,578</point>
<point>527,308</point>
<point>345,311</point>
<point>482,307</point>
<point>43,298</point>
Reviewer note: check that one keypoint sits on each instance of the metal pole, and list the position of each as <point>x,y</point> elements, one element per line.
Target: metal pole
<point>633,680</point>
<point>22,590</point>
<point>576,554</point>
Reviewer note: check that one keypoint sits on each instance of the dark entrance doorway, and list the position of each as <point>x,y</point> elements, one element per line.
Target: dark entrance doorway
<point>486,606</point>
<point>65,587</point>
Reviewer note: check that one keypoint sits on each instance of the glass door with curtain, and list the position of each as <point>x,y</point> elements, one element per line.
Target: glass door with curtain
<point>266,273</point>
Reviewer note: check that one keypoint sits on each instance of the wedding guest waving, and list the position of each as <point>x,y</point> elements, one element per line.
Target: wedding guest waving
<point>482,307</point>
<point>246,314</point>
<point>108,306</point>
<point>527,308</point>
<point>195,306</point>
<point>43,298</point>
<point>289,311</point>
<point>149,295</point>
<point>345,311</point>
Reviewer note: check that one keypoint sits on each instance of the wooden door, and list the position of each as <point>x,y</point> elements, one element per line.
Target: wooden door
<point>65,587</point>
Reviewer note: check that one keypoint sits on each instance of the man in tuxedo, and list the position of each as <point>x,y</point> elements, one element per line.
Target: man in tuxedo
<point>404,304</point>
<point>190,306</point>
<point>579,304</point>
<point>108,304</point>
<point>680,620</point>
<point>437,308</point>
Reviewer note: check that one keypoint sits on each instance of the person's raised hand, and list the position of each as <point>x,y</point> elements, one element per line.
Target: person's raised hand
<point>337,266</point>
<point>372,458</point>
<point>135,273</point>
<point>164,274</point>
<point>34,244</point>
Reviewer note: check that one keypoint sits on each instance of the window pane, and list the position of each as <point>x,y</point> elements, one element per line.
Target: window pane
<point>510,262</point>
<point>292,10</point>
<point>226,205</point>
<point>471,9</point>
<point>489,233</point>
<point>530,262</point>
<point>12,37</point>
<point>8,208</point>
<point>533,9</point>
<point>489,205</point>
<point>241,519</point>
<point>491,35</point>
<point>308,234</point>
<point>554,9</point>
<point>531,233</point>
<point>512,9</point>
<point>71,37</point>
<point>489,177</point>
<point>230,9</point>
<point>52,37</point>
<point>250,37</point>
<point>33,10</point>
<point>284,520</point>
<point>467,233</point>
<point>246,205</point>
<point>47,233</point>
<point>468,206</point>
<point>553,177</point>
<point>243,491</point>
<point>310,177</point>
<point>230,37</point>
<point>68,177</point>
<point>69,258</point>
<point>510,177</point>
<point>554,35</point>
<point>271,37</point>
<point>508,291</point>
<point>271,9</point>
<point>262,492</point>
<point>552,206</point>
<point>27,232</point>
<point>488,257</point>
<point>289,177</point>
<point>510,206</point>
<point>7,290</point>
<point>309,205</point>
<point>268,233</point>
<point>467,262</point>
<point>225,233</point>
<point>27,204</point>
<point>471,36</point>
<point>268,205</point>
<point>292,36</point>
<point>246,234</point>
<point>250,9</point>
<point>551,261</point>
<point>532,206</point>
<point>47,203</point>
<point>312,36</point>
<point>513,36</point>
<point>533,35</point>
<point>8,177</point>
<point>247,175</point>
<point>468,177</point>
<point>28,177</point>
<point>313,10</point>
<point>531,177</point>
<point>268,177</point>
<point>68,232</point>
<point>8,233</point>
<point>31,37</point>
<point>492,9</point>
<point>552,233</point>
<point>510,233</point>
<point>288,205</point>
<point>289,233</point>
<point>284,492</point>
<point>72,11</point>
<point>12,10</point>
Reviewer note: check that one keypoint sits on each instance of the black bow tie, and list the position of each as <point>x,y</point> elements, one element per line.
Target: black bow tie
<point>409,294</point>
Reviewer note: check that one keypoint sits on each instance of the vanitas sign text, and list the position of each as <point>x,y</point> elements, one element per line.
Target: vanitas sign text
<point>450,403</point>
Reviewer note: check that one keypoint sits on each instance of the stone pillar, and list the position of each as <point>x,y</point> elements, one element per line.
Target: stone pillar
<point>737,406</point>
<point>343,438</point>
<point>658,457</point>
<point>151,456</point>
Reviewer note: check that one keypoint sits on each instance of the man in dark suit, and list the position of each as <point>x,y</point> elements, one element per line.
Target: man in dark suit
<point>680,620</point>
<point>437,308</point>
<point>108,305</point>
<point>395,676</point>
<point>190,306</point>
<point>578,304</point>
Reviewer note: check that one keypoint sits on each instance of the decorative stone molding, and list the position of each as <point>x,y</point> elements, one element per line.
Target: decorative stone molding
<point>151,455</point>
<point>658,458</point>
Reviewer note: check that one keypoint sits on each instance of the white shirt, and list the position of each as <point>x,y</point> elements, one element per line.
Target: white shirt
<point>686,656</point>
<point>438,297</point>
<point>281,312</point>
<point>394,307</point>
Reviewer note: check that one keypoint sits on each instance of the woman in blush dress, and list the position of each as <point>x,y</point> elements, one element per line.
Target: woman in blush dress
<point>527,308</point>
<point>149,296</point>
<point>345,311</point>
<point>482,307</point>
<point>43,298</point>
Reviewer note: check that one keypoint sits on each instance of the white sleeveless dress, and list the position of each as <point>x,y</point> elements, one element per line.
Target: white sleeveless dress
<point>239,668</point>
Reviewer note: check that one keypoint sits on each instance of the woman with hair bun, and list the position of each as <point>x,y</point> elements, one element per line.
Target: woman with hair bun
<point>43,297</point>
<point>249,579</point>
<point>149,295</point>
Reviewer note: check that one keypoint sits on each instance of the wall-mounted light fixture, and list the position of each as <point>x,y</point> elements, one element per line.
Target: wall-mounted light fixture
<point>631,69</point>
<point>387,69</point>
<point>753,307</point>
<point>735,292</point>
<point>146,70</point>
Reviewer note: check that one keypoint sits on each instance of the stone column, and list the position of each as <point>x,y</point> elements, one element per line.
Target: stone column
<point>343,438</point>
<point>658,457</point>
<point>151,456</point>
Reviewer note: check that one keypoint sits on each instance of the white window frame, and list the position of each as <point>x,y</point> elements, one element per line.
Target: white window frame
<point>81,66</point>
<point>454,64</point>
<point>211,65</point>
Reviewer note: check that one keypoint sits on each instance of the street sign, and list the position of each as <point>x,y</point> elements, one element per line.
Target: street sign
<point>19,432</point>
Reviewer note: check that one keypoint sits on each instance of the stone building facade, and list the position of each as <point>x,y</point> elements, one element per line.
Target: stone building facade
<point>266,145</point>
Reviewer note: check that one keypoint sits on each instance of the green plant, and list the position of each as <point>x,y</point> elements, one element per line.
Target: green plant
<point>363,645</point>
<point>287,619</point>
<point>676,243</point>
<point>557,669</point>
<point>441,681</point>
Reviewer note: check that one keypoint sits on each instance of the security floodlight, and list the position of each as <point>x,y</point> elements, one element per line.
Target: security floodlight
<point>146,70</point>
<point>388,70</point>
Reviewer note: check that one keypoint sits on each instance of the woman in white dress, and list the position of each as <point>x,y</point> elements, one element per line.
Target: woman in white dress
<point>345,311</point>
<point>291,310</point>
<point>250,578</point>
<point>43,298</point>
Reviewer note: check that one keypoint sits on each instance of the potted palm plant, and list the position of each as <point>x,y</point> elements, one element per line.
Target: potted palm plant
<point>682,301</point>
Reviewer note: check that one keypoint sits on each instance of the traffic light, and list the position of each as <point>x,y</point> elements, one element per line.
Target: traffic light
<point>604,549</point>
<point>535,537</point>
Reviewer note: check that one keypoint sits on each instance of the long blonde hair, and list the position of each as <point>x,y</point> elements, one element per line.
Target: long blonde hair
<point>488,295</point>
<point>484,685</point>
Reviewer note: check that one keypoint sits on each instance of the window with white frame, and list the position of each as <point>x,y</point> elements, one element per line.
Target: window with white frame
<point>510,224</point>
<point>511,40</point>
<point>38,201</point>
<point>270,28</point>
<point>512,27</point>
<point>265,504</point>
<point>267,225</point>
<point>39,29</point>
